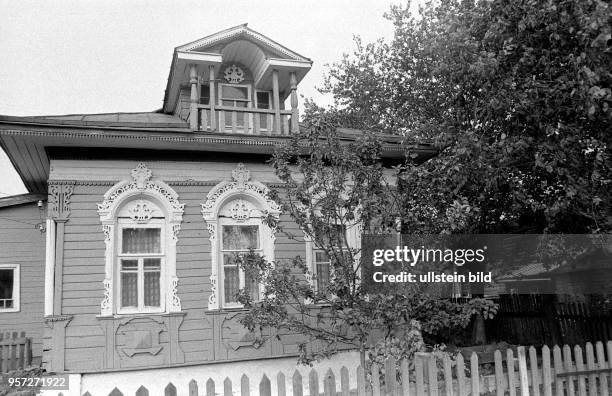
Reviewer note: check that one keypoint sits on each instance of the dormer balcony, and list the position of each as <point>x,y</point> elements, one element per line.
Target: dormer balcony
<point>236,82</point>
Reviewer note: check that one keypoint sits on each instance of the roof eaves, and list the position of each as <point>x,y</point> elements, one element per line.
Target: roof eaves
<point>21,199</point>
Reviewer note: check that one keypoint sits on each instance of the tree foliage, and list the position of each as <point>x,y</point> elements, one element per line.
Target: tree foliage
<point>517,96</point>
<point>333,187</point>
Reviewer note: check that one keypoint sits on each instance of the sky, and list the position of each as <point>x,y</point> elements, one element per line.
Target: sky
<point>85,56</point>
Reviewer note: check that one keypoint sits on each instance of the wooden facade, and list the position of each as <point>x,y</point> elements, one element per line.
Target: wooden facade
<point>22,242</point>
<point>178,175</point>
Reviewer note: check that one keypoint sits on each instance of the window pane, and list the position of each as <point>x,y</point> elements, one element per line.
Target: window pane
<point>233,92</point>
<point>151,264</point>
<point>237,237</point>
<point>231,283</point>
<point>151,288</point>
<point>141,240</point>
<point>323,275</point>
<point>129,265</point>
<point>321,256</point>
<point>252,287</point>
<point>263,100</point>
<point>129,289</point>
<point>205,94</point>
<point>6,284</point>
<point>263,121</point>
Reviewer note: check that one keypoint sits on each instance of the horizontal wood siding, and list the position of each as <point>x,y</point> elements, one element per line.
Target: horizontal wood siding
<point>21,242</point>
<point>84,257</point>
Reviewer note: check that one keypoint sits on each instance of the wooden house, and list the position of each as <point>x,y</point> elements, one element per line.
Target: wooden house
<point>142,210</point>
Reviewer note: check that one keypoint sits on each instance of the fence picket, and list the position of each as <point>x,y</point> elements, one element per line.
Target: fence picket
<point>265,387</point>
<point>210,387</point>
<point>170,390</point>
<point>558,370</point>
<point>569,380</point>
<point>418,368</point>
<point>432,374</point>
<point>344,381</point>
<point>510,367</point>
<point>142,391</point>
<point>313,383</point>
<point>227,387</point>
<point>245,388</point>
<point>590,357</point>
<point>390,376</point>
<point>499,374</point>
<point>329,384</point>
<point>580,367</point>
<point>298,390</point>
<point>193,388</point>
<point>375,380</point>
<point>361,389</point>
<point>280,384</point>
<point>535,375</point>
<point>405,377</point>
<point>546,372</point>
<point>448,376</point>
<point>474,375</point>
<point>460,376</point>
<point>601,362</point>
<point>523,374</point>
<point>114,392</point>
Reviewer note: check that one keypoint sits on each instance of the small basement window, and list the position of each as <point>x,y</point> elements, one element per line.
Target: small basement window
<point>9,287</point>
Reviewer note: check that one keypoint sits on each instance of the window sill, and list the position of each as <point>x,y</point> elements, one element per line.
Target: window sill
<point>140,315</point>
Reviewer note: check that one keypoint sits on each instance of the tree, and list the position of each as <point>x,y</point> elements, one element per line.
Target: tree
<point>333,186</point>
<point>517,96</point>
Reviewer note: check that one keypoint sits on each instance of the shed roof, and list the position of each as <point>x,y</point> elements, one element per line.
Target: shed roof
<point>21,199</point>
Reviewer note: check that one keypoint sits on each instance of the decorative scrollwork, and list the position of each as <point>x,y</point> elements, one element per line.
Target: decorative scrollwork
<point>241,175</point>
<point>140,212</point>
<point>234,74</point>
<point>173,299</point>
<point>240,210</point>
<point>59,200</point>
<point>212,299</point>
<point>141,174</point>
<point>106,305</point>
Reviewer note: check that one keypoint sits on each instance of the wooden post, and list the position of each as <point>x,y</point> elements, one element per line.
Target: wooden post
<point>211,81</point>
<point>59,266</point>
<point>276,97</point>
<point>193,109</point>
<point>295,126</point>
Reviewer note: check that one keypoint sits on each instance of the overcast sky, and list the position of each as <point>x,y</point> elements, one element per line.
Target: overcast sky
<point>67,57</point>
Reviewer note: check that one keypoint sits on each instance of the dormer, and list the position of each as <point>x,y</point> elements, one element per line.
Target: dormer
<point>236,81</point>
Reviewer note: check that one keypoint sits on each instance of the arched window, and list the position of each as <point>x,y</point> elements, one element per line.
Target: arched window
<point>141,219</point>
<point>234,213</point>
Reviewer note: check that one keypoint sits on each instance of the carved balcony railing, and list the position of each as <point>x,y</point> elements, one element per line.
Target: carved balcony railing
<point>244,120</point>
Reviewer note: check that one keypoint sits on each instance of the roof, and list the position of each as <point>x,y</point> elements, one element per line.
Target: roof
<point>21,199</point>
<point>529,271</point>
<point>26,140</point>
<point>239,44</point>
<point>144,120</point>
<point>242,30</point>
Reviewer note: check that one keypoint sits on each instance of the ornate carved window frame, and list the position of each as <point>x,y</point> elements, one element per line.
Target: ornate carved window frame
<point>140,189</point>
<point>240,188</point>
